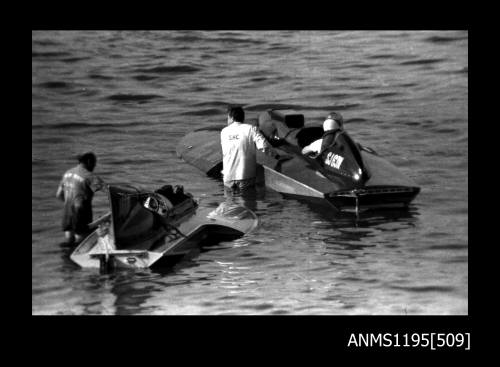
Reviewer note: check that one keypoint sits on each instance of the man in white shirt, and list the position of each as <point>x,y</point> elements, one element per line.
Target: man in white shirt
<point>333,122</point>
<point>239,143</point>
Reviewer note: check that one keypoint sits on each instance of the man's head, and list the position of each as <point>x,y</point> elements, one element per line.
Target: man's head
<point>235,114</point>
<point>333,121</point>
<point>89,160</point>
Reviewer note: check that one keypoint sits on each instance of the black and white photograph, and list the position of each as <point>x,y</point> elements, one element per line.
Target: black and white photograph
<point>250,172</point>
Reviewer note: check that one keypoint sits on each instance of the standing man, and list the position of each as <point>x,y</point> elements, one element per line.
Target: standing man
<point>76,190</point>
<point>239,143</point>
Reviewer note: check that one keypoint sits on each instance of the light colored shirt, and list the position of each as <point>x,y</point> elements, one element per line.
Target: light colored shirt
<point>239,143</point>
<point>79,183</point>
<point>315,147</point>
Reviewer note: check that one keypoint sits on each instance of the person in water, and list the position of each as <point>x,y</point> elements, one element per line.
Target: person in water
<point>76,190</point>
<point>333,124</point>
<point>239,143</point>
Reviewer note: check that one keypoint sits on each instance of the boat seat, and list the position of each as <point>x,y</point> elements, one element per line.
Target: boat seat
<point>279,126</point>
<point>308,134</point>
<point>290,118</point>
<point>175,194</point>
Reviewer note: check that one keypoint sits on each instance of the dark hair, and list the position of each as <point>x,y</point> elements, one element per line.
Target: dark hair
<point>87,158</point>
<point>237,113</point>
<point>336,117</point>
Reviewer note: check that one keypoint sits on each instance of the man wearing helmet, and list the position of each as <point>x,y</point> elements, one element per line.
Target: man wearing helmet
<point>333,124</point>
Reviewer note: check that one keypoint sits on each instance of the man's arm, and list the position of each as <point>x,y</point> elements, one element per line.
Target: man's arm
<point>314,147</point>
<point>96,183</point>
<point>262,144</point>
<point>60,192</point>
<point>307,150</point>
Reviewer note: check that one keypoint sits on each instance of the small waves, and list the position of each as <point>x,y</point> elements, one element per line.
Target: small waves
<point>205,112</point>
<point>385,94</point>
<point>189,38</point>
<point>83,125</point>
<point>426,123</point>
<point>133,97</point>
<point>279,106</point>
<point>442,39</point>
<point>446,246</point>
<point>51,140</point>
<point>135,161</point>
<point>406,85</point>
<point>456,260</point>
<point>336,95</point>
<point>46,42</point>
<point>49,54</point>
<point>385,57</point>
<point>211,104</point>
<point>197,89</point>
<point>176,69</point>
<point>267,106</point>
<point>258,307</point>
<point>446,130</point>
<point>362,66</point>
<point>240,41</point>
<point>424,289</point>
<point>282,48</point>
<point>356,120</point>
<point>100,77</point>
<point>422,62</point>
<point>71,60</point>
<point>69,88</point>
<point>59,56</point>
<point>343,106</point>
<point>54,85</point>
<point>411,123</point>
<point>144,78</point>
<point>258,79</point>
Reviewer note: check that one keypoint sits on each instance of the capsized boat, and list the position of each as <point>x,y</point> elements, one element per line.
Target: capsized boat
<point>145,227</point>
<point>345,176</point>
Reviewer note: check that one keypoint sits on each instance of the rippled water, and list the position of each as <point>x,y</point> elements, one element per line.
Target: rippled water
<point>130,96</point>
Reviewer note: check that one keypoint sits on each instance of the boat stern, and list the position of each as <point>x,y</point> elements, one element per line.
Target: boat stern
<point>373,197</point>
<point>98,252</point>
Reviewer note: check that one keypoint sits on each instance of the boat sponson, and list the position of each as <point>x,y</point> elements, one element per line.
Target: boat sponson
<point>201,148</point>
<point>384,173</point>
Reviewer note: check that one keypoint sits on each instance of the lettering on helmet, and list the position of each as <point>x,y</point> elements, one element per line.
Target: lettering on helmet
<point>334,160</point>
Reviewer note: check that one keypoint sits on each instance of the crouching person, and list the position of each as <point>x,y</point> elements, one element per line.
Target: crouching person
<point>76,190</point>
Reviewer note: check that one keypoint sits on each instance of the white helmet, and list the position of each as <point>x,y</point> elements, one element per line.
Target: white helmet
<point>333,121</point>
<point>329,124</point>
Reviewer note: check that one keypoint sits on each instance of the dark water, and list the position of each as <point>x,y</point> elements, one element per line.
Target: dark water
<point>130,96</point>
